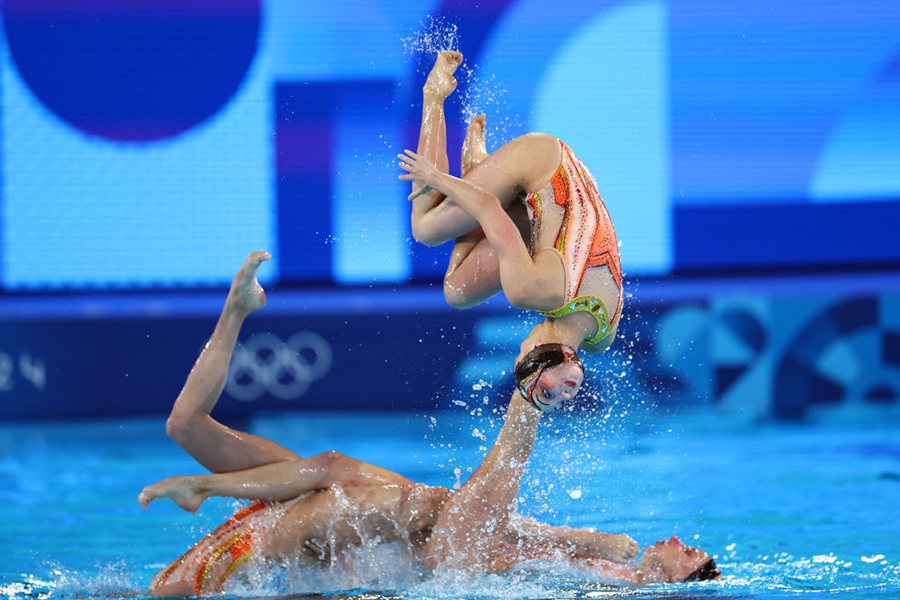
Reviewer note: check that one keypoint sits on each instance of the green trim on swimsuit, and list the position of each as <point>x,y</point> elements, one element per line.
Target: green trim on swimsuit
<point>590,304</point>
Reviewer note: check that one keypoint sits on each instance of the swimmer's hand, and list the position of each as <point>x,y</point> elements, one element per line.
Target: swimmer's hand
<point>183,491</point>
<point>419,169</point>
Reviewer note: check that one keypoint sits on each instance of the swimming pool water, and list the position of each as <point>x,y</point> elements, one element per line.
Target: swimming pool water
<point>788,510</point>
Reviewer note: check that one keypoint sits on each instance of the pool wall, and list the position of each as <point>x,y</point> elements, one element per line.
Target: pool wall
<point>789,348</point>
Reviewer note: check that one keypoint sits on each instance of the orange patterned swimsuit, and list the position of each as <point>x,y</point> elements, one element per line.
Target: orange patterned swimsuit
<point>569,216</point>
<point>234,541</point>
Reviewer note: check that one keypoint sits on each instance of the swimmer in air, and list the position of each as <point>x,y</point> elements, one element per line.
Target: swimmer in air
<point>527,219</point>
<point>310,509</point>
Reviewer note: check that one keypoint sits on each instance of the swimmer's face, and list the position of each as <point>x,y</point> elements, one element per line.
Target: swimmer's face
<point>673,559</point>
<point>558,384</point>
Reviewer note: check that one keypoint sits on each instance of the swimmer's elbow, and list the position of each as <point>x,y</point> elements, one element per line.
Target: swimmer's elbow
<point>519,296</point>
<point>536,295</point>
<point>425,235</point>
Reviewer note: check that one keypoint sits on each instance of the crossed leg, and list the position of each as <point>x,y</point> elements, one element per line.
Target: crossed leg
<point>525,164</point>
<point>215,446</point>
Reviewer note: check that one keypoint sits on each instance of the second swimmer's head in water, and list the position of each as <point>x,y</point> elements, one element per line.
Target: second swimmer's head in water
<point>549,375</point>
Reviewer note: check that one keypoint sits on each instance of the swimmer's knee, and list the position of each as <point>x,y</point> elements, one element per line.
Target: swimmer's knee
<point>330,456</point>
<point>180,427</point>
<point>176,426</point>
<point>454,295</point>
<point>331,460</point>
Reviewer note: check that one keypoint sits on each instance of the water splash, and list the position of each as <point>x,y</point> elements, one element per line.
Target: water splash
<point>108,581</point>
<point>434,34</point>
<point>478,93</point>
<point>485,94</point>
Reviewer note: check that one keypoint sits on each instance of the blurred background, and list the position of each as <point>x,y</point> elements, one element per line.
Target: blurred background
<point>749,154</point>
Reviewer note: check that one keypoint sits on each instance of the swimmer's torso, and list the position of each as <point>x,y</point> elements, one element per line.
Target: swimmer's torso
<point>325,523</point>
<point>313,528</point>
<point>568,217</point>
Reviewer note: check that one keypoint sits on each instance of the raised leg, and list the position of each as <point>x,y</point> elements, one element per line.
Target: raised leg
<point>524,164</point>
<point>215,446</point>
<point>433,132</point>
<point>472,526</point>
<point>474,149</point>
<point>473,274</point>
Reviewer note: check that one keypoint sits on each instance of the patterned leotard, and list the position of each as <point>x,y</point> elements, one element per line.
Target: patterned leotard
<point>221,552</point>
<point>569,216</point>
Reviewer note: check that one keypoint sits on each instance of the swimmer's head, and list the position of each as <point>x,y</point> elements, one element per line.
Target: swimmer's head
<point>549,375</point>
<point>674,561</point>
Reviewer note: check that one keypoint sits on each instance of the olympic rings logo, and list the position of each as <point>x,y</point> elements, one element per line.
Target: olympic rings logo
<point>266,364</point>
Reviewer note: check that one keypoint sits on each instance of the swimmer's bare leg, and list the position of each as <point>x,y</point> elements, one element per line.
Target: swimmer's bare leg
<point>278,482</point>
<point>473,274</point>
<point>433,132</point>
<point>215,446</point>
<point>473,524</point>
<point>474,149</point>
<point>525,164</point>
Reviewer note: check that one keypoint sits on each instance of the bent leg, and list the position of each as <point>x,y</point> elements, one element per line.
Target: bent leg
<point>473,274</point>
<point>473,524</point>
<point>215,446</point>
<point>523,165</point>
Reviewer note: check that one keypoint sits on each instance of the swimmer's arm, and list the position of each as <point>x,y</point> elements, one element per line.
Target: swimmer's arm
<point>581,543</point>
<point>529,282</point>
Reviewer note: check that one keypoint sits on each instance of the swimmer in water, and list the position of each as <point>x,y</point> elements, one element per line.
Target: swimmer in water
<point>311,509</point>
<point>527,219</point>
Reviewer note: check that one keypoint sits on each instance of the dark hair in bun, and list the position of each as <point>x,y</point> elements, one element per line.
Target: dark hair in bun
<point>542,357</point>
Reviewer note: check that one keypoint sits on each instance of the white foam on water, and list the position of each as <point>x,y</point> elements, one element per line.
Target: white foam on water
<point>107,581</point>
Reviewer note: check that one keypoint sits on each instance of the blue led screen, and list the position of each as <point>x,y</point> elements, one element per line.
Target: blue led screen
<point>154,143</point>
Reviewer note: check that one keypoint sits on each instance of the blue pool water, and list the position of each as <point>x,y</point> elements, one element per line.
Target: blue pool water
<point>788,510</point>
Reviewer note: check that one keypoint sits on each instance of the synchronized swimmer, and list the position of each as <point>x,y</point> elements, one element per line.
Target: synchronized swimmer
<point>556,253</point>
<point>309,509</point>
